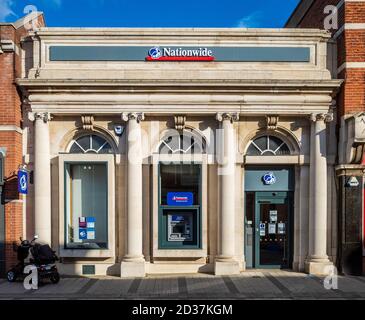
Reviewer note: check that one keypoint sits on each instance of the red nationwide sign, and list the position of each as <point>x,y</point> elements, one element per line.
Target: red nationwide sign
<point>179,54</point>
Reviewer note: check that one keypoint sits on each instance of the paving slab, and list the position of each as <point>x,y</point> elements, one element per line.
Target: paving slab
<point>110,287</point>
<point>206,287</point>
<point>256,284</point>
<point>64,287</point>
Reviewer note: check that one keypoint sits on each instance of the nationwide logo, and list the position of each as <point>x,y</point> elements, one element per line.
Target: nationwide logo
<point>180,54</point>
<point>180,199</point>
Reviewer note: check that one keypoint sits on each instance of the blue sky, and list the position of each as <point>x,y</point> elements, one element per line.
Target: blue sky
<point>154,13</point>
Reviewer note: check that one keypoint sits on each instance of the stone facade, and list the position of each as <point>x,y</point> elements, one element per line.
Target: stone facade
<point>292,101</point>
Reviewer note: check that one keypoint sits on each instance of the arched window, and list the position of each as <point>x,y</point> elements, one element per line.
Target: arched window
<point>268,146</point>
<point>91,144</point>
<point>182,143</point>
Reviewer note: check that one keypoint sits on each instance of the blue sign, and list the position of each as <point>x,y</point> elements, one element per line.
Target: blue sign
<point>269,178</point>
<point>23,182</point>
<point>180,199</point>
<point>178,218</point>
<point>83,234</point>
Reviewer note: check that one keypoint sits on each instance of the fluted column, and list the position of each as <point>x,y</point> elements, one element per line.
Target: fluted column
<point>317,261</point>
<point>42,176</point>
<point>225,262</point>
<point>133,264</point>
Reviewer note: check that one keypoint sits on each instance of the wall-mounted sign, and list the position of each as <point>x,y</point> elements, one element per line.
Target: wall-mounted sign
<point>172,53</point>
<point>269,178</point>
<point>353,182</point>
<point>180,199</point>
<point>179,54</point>
<point>23,182</point>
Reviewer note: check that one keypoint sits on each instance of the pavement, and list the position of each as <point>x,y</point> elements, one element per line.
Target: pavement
<point>258,284</point>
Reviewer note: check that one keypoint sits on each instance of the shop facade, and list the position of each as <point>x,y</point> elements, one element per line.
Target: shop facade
<point>181,150</point>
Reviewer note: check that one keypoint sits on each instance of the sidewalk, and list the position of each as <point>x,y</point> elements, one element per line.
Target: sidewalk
<point>260,284</point>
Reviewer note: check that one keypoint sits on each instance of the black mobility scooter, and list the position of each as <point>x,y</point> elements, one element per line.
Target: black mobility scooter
<point>39,255</point>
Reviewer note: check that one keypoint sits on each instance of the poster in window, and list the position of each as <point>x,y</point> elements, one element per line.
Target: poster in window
<point>83,234</point>
<point>90,222</point>
<point>90,234</point>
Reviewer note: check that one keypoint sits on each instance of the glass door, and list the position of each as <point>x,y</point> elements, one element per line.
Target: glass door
<point>273,230</point>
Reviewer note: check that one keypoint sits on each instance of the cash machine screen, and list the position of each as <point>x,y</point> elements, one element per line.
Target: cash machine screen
<point>180,227</point>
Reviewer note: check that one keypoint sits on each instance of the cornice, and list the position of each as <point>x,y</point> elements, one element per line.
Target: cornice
<point>175,33</point>
<point>178,85</point>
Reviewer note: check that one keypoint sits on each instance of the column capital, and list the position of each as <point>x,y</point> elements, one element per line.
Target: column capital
<point>44,116</point>
<point>326,117</point>
<point>230,116</point>
<point>138,116</point>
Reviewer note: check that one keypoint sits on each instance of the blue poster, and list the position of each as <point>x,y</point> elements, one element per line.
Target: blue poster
<point>23,182</point>
<point>83,234</point>
<point>180,199</point>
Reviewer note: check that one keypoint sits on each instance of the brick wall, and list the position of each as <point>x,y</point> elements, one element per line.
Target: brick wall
<point>350,47</point>
<point>11,115</point>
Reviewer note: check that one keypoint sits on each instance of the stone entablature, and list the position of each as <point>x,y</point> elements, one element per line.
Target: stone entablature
<point>45,38</point>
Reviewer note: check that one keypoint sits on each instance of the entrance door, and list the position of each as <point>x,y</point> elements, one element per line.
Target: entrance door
<point>268,229</point>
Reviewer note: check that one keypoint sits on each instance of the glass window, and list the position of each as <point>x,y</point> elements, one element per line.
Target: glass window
<point>91,144</point>
<point>184,143</point>
<point>86,206</point>
<point>268,146</point>
<point>180,178</point>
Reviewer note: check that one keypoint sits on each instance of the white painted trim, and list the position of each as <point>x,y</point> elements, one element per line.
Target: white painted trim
<point>5,127</point>
<point>13,201</point>
<point>351,65</point>
<point>342,2</point>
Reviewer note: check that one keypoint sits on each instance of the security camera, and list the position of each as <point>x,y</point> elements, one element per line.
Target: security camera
<point>118,129</point>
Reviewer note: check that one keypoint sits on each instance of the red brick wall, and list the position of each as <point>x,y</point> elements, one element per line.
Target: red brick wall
<point>351,48</point>
<point>11,115</point>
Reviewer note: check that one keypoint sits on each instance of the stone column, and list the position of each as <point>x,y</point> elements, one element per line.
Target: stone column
<point>225,263</point>
<point>317,261</point>
<point>133,264</point>
<point>42,176</point>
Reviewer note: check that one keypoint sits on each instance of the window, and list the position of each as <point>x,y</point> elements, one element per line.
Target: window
<point>91,144</point>
<point>180,206</point>
<point>185,143</point>
<point>268,146</point>
<point>86,206</point>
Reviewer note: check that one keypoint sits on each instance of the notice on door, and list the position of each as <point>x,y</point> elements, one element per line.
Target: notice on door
<point>272,228</point>
<point>273,216</point>
<point>262,229</point>
<point>281,228</point>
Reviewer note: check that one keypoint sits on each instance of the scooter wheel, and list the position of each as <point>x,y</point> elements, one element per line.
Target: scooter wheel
<point>55,278</point>
<point>11,276</point>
